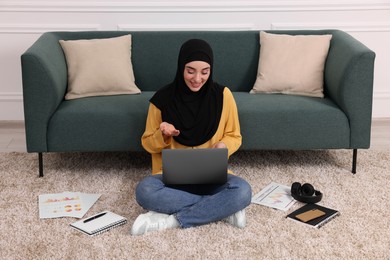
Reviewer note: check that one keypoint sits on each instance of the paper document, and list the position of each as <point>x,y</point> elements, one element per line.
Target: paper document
<point>66,204</point>
<point>276,196</point>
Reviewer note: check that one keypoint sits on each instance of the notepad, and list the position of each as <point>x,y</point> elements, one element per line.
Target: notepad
<point>318,221</point>
<point>99,223</point>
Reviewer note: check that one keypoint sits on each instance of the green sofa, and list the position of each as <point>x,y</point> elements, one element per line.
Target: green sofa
<point>340,120</point>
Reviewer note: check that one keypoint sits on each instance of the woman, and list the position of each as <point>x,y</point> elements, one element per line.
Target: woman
<point>191,112</point>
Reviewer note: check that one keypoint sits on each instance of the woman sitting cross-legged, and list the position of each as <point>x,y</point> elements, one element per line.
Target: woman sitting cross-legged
<point>191,112</point>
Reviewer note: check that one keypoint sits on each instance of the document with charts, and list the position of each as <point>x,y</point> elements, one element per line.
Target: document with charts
<point>276,196</point>
<point>65,204</point>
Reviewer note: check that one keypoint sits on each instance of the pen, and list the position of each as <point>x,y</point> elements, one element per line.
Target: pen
<point>94,217</point>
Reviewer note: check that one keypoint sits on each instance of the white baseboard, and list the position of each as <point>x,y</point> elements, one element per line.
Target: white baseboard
<point>381,102</point>
<point>11,106</point>
<point>11,110</point>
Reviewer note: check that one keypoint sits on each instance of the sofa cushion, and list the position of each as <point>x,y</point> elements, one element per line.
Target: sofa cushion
<point>276,121</point>
<point>292,64</point>
<point>99,67</point>
<point>270,121</point>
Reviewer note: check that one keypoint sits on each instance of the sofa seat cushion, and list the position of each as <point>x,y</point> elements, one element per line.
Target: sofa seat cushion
<point>276,121</point>
<point>104,123</point>
<point>116,123</point>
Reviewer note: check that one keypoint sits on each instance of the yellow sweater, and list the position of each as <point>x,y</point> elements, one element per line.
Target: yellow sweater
<point>228,132</point>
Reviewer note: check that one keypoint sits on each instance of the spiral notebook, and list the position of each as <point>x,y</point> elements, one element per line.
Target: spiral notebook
<point>99,223</point>
<point>317,222</point>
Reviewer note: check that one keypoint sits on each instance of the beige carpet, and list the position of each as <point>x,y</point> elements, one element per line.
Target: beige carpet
<point>361,232</point>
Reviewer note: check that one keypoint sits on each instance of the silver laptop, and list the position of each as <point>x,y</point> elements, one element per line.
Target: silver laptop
<point>194,166</point>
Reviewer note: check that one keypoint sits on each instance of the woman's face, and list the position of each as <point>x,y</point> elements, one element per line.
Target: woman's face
<point>196,73</point>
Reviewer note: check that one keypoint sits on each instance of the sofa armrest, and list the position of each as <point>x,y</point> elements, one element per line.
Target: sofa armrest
<point>349,74</point>
<point>44,76</point>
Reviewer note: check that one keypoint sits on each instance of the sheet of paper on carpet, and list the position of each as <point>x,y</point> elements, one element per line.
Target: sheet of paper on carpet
<point>276,196</point>
<point>65,204</point>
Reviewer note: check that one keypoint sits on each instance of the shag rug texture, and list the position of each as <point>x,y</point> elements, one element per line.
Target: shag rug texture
<point>362,231</point>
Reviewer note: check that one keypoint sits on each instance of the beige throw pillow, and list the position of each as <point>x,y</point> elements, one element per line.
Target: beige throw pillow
<point>99,67</point>
<point>292,64</point>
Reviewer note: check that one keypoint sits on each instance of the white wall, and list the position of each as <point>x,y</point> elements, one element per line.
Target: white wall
<point>22,22</point>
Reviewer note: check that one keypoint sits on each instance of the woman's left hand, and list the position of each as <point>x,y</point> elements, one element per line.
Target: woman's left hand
<point>219,145</point>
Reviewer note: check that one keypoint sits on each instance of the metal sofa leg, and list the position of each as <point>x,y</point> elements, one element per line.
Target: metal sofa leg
<point>40,160</point>
<point>354,159</point>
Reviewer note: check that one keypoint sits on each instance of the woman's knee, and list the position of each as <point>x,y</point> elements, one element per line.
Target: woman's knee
<point>243,190</point>
<point>147,188</point>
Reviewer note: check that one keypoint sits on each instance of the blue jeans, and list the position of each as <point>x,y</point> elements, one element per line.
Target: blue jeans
<point>194,205</point>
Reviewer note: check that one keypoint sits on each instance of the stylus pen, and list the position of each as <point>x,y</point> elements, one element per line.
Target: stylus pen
<point>94,217</point>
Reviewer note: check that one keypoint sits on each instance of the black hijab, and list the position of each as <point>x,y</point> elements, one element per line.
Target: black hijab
<point>195,114</point>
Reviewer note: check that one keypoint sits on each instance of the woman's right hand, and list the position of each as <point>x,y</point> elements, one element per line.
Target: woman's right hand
<point>168,130</point>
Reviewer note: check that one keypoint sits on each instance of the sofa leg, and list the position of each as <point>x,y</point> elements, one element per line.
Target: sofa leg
<point>354,159</point>
<point>40,160</point>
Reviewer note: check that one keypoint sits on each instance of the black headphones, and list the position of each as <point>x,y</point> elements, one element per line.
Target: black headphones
<point>305,193</point>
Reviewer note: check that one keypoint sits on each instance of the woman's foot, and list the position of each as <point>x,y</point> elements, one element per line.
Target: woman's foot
<point>238,219</point>
<point>153,221</point>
